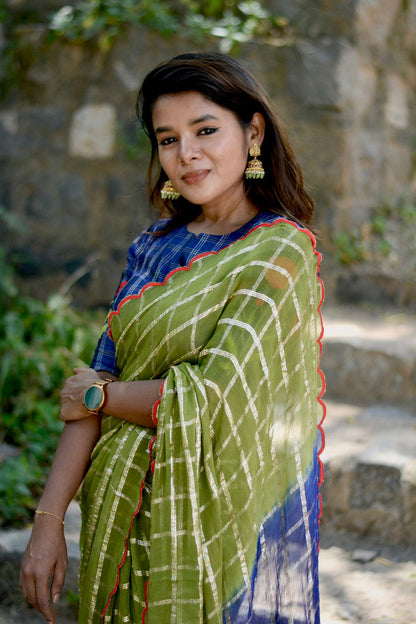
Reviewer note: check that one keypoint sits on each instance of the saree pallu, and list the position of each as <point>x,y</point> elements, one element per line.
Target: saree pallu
<point>213,516</point>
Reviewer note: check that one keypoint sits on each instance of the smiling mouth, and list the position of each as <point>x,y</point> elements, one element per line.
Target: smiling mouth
<point>195,176</point>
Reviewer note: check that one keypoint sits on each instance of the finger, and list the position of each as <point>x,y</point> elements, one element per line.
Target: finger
<point>66,417</point>
<point>58,579</point>
<point>64,414</point>
<point>70,415</point>
<point>42,599</point>
<point>80,369</point>
<point>28,588</point>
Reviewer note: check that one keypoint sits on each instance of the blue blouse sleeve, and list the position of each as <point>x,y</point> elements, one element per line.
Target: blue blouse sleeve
<point>105,353</point>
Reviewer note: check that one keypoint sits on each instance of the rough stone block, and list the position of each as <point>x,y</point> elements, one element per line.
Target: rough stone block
<point>323,18</point>
<point>370,472</point>
<point>362,555</point>
<point>347,364</point>
<point>375,485</point>
<point>409,493</point>
<point>35,124</point>
<point>72,196</point>
<point>314,80</point>
<point>92,132</point>
<point>336,487</point>
<point>396,109</point>
<point>357,80</point>
<point>374,20</point>
<point>8,130</point>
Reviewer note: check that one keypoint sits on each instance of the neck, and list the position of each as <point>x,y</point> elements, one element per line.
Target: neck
<point>215,219</point>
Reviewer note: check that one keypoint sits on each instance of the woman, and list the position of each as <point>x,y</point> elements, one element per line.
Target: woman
<point>200,439</point>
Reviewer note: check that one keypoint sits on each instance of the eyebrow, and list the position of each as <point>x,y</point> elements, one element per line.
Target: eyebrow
<point>206,117</point>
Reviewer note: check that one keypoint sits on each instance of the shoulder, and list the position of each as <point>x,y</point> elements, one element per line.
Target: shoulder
<point>147,235</point>
<point>281,246</point>
<point>282,231</point>
<point>154,228</point>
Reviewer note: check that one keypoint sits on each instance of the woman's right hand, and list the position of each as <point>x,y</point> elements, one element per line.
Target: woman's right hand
<point>45,558</point>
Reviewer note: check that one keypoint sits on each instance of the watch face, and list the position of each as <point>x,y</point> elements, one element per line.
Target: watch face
<point>93,397</point>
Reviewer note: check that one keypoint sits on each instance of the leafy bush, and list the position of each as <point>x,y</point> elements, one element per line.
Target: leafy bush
<point>232,21</point>
<point>40,343</point>
<point>387,239</point>
<point>103,20</point>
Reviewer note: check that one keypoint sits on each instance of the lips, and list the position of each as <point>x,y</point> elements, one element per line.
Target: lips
<point>192,177</point>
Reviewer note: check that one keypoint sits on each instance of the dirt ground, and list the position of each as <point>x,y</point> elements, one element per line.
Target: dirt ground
<point>382,590</point>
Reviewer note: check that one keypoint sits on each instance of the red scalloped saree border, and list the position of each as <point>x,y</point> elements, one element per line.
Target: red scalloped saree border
<point>113,591</point>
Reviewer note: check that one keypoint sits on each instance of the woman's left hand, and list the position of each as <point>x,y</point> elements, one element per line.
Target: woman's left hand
<point>73,392</point>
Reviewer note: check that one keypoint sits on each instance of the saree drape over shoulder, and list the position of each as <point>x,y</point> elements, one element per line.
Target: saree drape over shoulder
<point>213,516</point>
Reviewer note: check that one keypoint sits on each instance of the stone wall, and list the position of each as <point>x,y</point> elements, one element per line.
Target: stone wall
<point>352,83</point>
<point>72,168</point>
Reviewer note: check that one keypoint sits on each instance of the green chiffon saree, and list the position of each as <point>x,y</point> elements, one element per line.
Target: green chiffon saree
<point>213,516</point>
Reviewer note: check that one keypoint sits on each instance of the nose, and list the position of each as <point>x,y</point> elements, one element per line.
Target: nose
<point>188,149</point>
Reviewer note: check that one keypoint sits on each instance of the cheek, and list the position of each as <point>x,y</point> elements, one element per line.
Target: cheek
<point>235,158</point>
<point>165,161</point>
<point>231,156</point>
<point>236,151</point>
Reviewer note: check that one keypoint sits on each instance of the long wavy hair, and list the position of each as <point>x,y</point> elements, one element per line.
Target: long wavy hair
<point>225,82</point>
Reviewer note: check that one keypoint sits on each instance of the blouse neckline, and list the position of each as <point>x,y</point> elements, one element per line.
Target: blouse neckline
<point>236,232</point>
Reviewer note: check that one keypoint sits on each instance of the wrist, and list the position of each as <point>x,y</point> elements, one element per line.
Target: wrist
<point>49,515</point>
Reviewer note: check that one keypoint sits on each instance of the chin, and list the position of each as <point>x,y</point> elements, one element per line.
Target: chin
<point>197,199</point>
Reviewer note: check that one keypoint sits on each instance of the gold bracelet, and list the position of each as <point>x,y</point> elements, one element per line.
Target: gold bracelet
<point>40,512</point>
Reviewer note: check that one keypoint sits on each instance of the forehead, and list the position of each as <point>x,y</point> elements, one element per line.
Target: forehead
<point>186,107</point>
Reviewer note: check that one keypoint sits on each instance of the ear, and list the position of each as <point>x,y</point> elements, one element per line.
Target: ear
<point>256,129</point>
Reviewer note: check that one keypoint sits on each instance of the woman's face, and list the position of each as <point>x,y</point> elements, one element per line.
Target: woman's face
<point>202,148</point>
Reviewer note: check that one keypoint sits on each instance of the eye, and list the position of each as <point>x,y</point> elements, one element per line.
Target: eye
<point>167,141</point>
<point>206,131</point>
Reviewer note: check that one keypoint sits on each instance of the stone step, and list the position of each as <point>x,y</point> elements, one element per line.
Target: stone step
<point>369,356</point>
<point>370,471</point>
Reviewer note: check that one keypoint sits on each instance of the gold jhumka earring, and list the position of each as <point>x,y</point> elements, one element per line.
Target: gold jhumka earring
<point>254,168</point>
<point>169,191</point>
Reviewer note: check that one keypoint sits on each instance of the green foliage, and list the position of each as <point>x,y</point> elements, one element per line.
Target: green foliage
<point>376,239</point>
<point>40,343</point>
<point>364,244</point>
<point>19,476</point>
<point>72,599</point>
<point>350,247</point>
<point>133,141</point>
<point>407,213</point>
<point>9,66</point>
<point>102,20</point>
<point>238,23</point>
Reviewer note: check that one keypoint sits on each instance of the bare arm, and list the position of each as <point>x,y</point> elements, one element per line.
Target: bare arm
<point>128,400</point>
<point>46,555</point>
<point>69,465</point>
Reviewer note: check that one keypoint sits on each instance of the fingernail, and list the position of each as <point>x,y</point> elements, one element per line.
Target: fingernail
<point>56,597</point>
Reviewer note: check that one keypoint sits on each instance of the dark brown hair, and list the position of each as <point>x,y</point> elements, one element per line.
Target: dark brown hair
<point>225,82</point>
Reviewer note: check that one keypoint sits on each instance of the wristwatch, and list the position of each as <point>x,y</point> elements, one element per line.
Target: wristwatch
<point>94,397</point>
